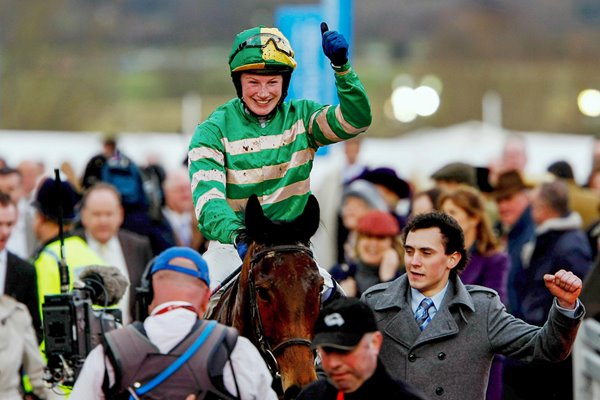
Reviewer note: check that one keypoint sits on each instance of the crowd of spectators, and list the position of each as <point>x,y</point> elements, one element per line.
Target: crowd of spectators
<point>516,228</point>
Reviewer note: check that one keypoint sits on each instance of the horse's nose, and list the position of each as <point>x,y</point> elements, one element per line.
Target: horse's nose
<point>291,392</point>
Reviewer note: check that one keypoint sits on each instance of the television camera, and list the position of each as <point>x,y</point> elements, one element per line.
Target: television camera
<point>73,327</point>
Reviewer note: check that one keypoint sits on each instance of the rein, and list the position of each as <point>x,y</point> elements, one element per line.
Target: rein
<point>267,351</point>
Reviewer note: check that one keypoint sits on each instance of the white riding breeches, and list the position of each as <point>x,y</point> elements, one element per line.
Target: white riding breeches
<point>222,260</point>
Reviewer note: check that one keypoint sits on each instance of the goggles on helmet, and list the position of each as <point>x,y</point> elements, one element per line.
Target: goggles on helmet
<point>262,40</point>
<point>273,48</point>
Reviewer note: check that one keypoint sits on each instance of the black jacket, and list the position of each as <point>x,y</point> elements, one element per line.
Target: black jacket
<point>379,386</point>
<point>21,284</point>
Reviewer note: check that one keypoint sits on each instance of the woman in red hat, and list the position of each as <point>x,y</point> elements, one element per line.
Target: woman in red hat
<point>377,254</point>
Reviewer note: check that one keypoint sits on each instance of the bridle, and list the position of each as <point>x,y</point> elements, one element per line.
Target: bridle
<point>267,351</point>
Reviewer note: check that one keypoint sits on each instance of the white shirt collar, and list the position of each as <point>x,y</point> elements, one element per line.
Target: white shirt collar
<point>94,244</point>
<point>172,214</point>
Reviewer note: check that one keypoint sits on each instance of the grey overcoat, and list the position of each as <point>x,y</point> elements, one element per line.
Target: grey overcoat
<point>451,358</point>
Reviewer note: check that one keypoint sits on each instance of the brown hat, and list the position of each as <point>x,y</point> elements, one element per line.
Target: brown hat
<point>509,182</point>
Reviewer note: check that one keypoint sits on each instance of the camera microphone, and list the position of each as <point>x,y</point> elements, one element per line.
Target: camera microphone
<point>106,284</point>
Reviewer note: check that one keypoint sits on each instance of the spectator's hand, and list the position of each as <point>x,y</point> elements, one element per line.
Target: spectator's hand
<point>241,246</point>
<point>335,46</point>
<point>389,265</point>
<point>565,286</point>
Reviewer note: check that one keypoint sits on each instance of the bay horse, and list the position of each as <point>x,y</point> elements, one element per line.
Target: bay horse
<point>275,300</point>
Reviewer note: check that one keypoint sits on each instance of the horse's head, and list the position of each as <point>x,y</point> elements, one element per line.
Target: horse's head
<point>282,286</point>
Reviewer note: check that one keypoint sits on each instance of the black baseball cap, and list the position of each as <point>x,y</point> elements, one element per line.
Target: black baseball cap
<point>343,323</point>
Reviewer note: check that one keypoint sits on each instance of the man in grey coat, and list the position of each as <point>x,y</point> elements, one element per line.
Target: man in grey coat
<point>440,336</point>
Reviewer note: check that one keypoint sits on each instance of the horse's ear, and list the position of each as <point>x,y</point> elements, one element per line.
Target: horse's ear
<point>253,208</point>
<point>254,217</point>
<point>308,222</point>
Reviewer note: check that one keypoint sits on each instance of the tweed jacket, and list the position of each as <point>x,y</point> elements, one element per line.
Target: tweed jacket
<point>18,348</point>
<point>452,356</point>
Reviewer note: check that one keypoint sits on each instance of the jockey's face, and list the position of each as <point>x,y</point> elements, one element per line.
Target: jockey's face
<point>261,93</point>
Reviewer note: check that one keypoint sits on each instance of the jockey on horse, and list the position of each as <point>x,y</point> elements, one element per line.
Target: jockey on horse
<point>260,144</point>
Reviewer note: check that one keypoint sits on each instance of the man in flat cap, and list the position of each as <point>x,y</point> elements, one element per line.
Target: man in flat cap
<point>456,173</point>
<point>348,343</point>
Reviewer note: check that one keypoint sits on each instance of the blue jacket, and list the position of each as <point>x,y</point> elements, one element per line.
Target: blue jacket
<point>520,233</point>
<point>559,243</point>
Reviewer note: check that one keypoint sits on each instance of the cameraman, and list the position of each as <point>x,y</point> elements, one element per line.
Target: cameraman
<point>180,290</point>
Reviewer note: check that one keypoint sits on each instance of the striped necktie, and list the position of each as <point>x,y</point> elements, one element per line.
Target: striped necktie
<point>422,314</point>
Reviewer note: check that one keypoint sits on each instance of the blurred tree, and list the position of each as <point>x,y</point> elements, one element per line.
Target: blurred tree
<point>126,64</point>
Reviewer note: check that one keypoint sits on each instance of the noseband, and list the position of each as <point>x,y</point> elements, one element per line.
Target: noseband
<point>269,352</point>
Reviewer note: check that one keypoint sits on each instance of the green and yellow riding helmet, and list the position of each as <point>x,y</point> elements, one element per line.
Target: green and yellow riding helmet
<point>261,50</point>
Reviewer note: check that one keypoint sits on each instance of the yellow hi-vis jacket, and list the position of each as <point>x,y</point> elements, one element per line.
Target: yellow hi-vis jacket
<point>77,256</point>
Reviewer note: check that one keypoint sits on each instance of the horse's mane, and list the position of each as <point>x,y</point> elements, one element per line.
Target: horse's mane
<point>261,230</point>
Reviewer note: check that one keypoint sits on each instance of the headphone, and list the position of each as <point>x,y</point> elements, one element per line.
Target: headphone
<point>144,292</point>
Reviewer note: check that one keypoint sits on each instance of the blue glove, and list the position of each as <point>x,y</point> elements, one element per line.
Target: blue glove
<point>335,46</point>
<point>241,247</point>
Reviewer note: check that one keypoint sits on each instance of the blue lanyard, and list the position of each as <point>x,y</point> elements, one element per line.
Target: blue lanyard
<point>170,370</point>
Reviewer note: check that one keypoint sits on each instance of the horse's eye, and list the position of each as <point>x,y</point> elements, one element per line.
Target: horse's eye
<point>263,293</point>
